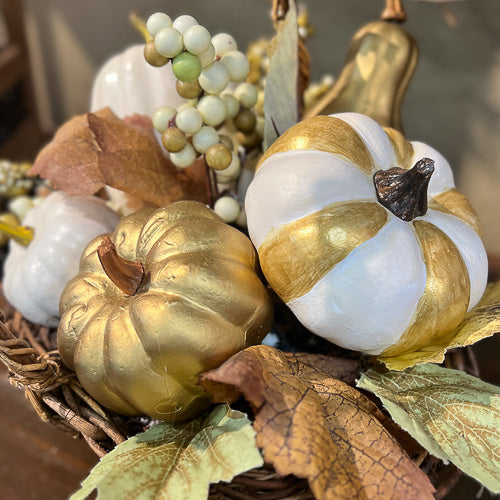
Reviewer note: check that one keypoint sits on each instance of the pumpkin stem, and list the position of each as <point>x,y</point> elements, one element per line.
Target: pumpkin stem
<point>139,25</point>
<point>20,234</point>
<point>393,11</point>
<point>404,192</point>
<point>125,274</point>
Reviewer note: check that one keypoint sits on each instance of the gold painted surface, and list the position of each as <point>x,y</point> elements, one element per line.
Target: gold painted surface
<point>402,148</point>
<point>380,63</point>
<point>324,133</point>
<point>299,254</point>
<point>201,301</point>
<point>455,203</point>
<point>444,302</point>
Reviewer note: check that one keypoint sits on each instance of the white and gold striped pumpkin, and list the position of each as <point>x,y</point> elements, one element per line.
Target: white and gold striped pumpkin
<point>350,270</point>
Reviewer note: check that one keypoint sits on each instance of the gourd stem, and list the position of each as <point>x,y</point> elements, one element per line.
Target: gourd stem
<point>394,11</point>
<point>404,192</point>
<point>139,25</point>
<point>20,234</point>
<point>125,274</point>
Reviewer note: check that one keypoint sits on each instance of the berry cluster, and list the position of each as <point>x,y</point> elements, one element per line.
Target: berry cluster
<point>14,179</point>
<point>211,74</point>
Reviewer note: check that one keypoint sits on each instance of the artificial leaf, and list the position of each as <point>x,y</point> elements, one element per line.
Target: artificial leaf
<point>313,425</point>
<point>453,415</point>
<point>97,149</point>
<point>280,95</point>
<point>176,460</point>
<point>481,322</point>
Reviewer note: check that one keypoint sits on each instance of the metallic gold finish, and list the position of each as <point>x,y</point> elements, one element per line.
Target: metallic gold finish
<point>446,296</point>
<point>299,254</point>
<point>380,63</point>
<point>402,148</point>
<point>404,192</point>
<point>393,11</point>
<point>455,203</point>
<point>324,133</point>
<point>199,303</point>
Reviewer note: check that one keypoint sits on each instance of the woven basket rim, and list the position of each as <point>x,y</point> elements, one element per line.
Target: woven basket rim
<point>29,351</point>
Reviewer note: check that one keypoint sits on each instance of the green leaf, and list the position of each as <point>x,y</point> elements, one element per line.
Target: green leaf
<point>453,415</point>
<point>280,94</point>
<point>481,322</point>
<point>177,461</point>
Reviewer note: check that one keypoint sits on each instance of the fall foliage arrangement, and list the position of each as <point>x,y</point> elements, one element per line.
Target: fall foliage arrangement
<point>237,283</point>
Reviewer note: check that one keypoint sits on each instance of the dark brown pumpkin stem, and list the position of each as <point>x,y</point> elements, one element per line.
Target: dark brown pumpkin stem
<point>393,11</point>
<point>404,192</point>
<point>125,274</point>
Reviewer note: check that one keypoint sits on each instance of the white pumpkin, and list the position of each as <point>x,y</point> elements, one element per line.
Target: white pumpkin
<point>35,275</point>
<point>128,84</point>
<point>351,270</point>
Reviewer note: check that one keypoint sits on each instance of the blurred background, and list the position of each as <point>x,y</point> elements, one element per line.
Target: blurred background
<point>50,51</point>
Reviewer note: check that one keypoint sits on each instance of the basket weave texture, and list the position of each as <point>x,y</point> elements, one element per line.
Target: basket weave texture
<point>30,353</point>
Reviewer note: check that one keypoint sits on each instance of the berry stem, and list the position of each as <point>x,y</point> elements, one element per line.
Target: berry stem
<point>140,26</point>
<point>20,234</point>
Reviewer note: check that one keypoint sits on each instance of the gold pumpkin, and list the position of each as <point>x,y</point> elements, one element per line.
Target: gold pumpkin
<point>198,303</point>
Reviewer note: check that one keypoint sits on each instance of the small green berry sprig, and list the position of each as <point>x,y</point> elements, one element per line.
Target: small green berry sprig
<point>211,74</point>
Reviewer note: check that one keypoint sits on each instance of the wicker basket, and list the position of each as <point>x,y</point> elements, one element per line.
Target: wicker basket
<point>30,353</point>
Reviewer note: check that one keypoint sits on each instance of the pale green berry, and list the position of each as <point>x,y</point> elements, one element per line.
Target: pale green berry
<point>227,208</point>
<point>207,58</point>
<point>247,94</point>
<point>168,42</point>
<point>157,22</point>
<point>205,138</point>
<point>162,116</point>
<point>232,105</point>
<point>241,220</point>
<point>184,22</point>
<point>213,110</point>
<point>20,206</point>
<point>186,67</point>
<point>223,43</point>
<point>184,158</point>
<point>237,64</point>
<point>259,126</point>
<point>197,39</point>
<point>189,120</point>
<point>214,79</point>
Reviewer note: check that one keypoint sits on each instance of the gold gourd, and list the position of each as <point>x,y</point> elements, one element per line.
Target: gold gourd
<point>380,63</point>
<point>199,302</point>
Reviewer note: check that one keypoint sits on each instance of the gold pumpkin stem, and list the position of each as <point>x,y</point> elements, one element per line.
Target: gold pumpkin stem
<point>404,192</point>
<point>20,234</point>
<point>125,274</point>
<point>139,25</point>
<point>394,11</point>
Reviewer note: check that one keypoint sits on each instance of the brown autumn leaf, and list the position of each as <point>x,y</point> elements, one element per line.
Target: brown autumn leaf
<point>310,423</point>
<point>99,149</point>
